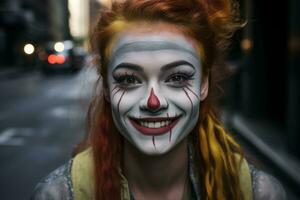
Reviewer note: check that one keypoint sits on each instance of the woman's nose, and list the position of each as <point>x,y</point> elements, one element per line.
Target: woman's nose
<point>153,102</point>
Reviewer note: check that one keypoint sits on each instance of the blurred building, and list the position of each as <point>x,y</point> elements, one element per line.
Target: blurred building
<point>79,19</point>
<point>264,94</point>
<point>30,21</point>
<point>37,22</point>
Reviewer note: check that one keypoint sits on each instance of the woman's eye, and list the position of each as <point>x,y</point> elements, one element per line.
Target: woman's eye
<point>178,79</point>
<point>127,80</point>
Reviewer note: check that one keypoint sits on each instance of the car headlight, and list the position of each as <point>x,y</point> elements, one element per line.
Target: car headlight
<point>59,46</point>
<point>29,49</point>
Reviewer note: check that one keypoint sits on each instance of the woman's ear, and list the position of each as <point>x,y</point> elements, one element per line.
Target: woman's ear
<point>204,88</point>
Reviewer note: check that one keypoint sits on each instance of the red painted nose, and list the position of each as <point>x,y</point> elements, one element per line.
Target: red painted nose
<point>153,102</point>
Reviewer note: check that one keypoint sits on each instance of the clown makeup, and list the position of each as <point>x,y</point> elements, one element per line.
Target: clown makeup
<point>154,89</point>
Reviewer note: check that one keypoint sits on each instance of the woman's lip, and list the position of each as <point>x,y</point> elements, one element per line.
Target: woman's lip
<point>155,131</point>
<point>155,119</point>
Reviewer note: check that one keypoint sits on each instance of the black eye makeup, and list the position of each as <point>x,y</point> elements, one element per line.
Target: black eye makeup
<point>176,74</point>
<point>126,79</point>
<point>179,78</point>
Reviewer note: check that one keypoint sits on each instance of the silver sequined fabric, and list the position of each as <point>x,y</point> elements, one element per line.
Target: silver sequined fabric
<point>265,186</point>
<point>58,186</point>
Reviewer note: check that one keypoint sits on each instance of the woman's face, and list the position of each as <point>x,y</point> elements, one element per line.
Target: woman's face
<point>154,83</point>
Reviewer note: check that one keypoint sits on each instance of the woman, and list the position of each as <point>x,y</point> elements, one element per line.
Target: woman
<point>154,133</point>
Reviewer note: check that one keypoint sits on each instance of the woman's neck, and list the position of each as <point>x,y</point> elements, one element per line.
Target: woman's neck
<point>159,176</point>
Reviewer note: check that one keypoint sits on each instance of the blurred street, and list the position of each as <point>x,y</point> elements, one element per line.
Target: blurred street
<point>41,120</point>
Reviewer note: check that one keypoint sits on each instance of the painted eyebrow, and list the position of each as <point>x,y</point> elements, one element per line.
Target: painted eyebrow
<point>176,64</point>
<point>164,68</point>
<point>128,66</point>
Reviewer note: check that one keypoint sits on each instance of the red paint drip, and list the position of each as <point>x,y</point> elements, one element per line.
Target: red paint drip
<point>189,99</point>
<point>120,101</point>
<point>153,102</point>
<point>193,93</point>
<point>153,140</point>
<point>114,88</point>
<point>116,92</point>
<point>170,136</point>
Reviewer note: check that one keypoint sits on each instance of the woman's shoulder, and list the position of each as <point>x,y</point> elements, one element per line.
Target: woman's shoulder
<point>57,185</point>
<point>265,186</point>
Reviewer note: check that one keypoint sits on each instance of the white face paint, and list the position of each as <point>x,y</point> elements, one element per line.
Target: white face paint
<point>154,86</point>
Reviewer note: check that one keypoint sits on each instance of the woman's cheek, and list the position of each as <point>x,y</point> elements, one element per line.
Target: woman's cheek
<point>186,98</point>
<point>126,100</point>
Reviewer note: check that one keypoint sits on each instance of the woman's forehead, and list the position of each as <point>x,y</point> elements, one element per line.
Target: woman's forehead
<point>150,42</point>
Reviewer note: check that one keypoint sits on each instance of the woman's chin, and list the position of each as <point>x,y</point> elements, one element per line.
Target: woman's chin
<point>159,148</point>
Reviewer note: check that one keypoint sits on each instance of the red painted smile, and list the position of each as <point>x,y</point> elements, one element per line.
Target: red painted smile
<point>154,126</point>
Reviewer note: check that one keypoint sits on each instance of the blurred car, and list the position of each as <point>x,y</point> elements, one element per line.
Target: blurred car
<point>60,56</point>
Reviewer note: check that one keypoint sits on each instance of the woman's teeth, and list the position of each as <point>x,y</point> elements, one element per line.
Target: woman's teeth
<point>155,124</point>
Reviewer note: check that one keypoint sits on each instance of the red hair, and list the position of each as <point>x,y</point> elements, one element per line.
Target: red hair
<point>209,22</point>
